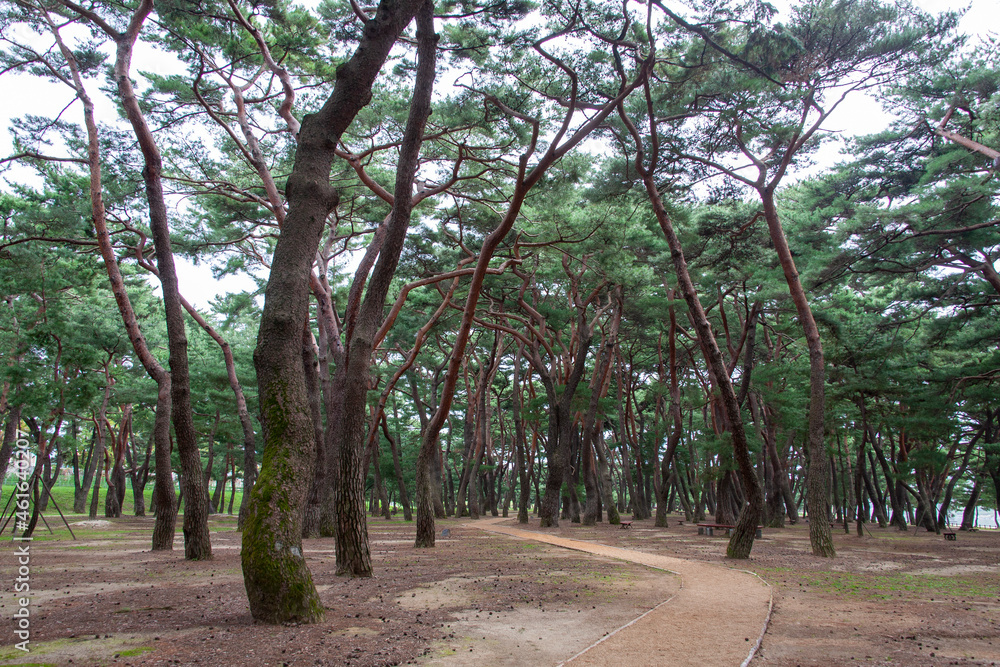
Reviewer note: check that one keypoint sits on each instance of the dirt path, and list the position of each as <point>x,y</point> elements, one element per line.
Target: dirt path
<point>717,618</point>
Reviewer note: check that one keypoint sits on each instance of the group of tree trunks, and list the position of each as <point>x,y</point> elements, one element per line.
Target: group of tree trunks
<point>531,332</point>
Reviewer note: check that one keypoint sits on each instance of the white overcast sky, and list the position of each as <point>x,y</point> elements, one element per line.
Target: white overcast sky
<point>860,115</point>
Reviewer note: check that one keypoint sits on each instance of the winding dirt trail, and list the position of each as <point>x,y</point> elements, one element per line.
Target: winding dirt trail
<point>717,618</point>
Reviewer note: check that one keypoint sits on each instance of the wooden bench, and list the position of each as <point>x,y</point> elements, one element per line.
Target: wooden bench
<point>709,529</point>
<point>951,537</point>
<point>625,524</point>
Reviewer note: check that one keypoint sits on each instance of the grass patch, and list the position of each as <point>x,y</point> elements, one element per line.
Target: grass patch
<point>886,586</point>
<point>63,491</point>
<point>80,650</point>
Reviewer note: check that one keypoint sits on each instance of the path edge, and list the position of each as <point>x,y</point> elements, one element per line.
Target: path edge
<point>753,649</point>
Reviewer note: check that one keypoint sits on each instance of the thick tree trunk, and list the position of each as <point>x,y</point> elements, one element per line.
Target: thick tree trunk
<point>278,582</point>
<point>562,426</point>
<point>116,491</point>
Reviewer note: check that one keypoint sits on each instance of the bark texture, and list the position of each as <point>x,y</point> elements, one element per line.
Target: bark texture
<point>278,582</point>
<point>353,554</point>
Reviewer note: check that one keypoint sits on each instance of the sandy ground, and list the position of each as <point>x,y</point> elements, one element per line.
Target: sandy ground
<point>477,598</point>
<point>485,598</point>
<point>717,618</point>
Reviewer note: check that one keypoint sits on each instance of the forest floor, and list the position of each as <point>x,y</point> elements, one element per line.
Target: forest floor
<point>488,599</point>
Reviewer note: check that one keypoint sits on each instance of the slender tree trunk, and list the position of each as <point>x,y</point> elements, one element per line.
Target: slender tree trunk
<point>682,494</point>
<point>969,513</point>
<point>163,489</point>
<point>232,487</point>
<point>95,496</point>
<point>380,503</point>
<point>607,485</point>
<point>10,432</point>
<point>140,476</point>
<point>942,518</point>
<point>243,413</point>
<point>197,542</point>
<point>312,515</point>
<point>525,181</point>
<point>818,474</point>
<point>404,496</point>
<point>436,460</point>
<point>878,503</point>
<point>520,455</point>
<point>596,468</point>
<point>353,554</point>
<point>675,406</point>
<point>893,488</point>
<point>573,477</point>
<point>741,541</point>
<point>218,502</point>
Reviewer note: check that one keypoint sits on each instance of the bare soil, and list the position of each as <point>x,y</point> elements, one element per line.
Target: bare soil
<point>888,598</point>
<point>487,599</point>
<point>477,597</point>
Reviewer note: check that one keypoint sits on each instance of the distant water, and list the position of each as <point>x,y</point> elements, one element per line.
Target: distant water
<point>985,518</point>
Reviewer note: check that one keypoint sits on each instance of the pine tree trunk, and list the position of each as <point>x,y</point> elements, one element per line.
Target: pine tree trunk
<point>741,541</point>
<point>197,543</point>
<point>96,494</point>
<point>312,516</point>
<point>404,496</point>
<point>278,582</point>
<point>520,455</point>
<point>818,474</point>
<point>82,490</point>
<point>163,490</point>
<point>10,431</point>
